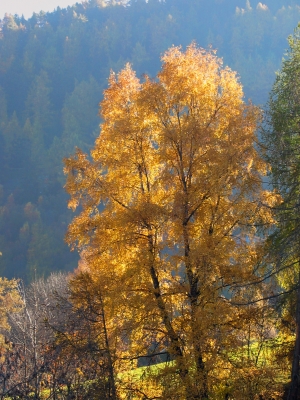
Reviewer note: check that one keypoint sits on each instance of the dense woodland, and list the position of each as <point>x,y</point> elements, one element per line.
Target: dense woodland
<point>184,282</point>
<point>53,69</point>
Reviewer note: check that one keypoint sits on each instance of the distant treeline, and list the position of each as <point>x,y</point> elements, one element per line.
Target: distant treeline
<point>53,69</point>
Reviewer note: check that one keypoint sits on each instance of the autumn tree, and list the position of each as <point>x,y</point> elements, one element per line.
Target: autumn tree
<point>282,141</point>
<point>29,362</point>
<point>56,343</point>
<point>10,303</point>
<point>83,359</point>
<point>171,201</point>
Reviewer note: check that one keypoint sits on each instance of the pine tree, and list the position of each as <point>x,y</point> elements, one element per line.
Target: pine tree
<point>282,140</point>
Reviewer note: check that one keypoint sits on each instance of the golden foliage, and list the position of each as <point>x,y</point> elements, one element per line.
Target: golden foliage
<point>9,302</point>
<point>171,201</point>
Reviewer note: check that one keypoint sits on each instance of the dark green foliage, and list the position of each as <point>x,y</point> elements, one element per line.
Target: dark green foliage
<point>53,69</point>
<point>283,142</point>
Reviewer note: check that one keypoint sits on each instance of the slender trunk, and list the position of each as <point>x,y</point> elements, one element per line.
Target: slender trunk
<point>200,386</point>
<point>199,389</point>
<point>294,388</point>
<point>35,357</point>
<point>113,394</point>
<point>175,347</point>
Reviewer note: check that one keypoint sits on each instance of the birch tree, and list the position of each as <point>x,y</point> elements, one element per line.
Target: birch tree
<point>170,200</point>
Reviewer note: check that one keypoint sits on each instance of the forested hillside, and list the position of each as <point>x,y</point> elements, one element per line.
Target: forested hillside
<point>171,299</point>
<point>53,69</point>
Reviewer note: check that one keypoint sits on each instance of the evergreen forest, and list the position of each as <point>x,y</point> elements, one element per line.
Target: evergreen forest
<point>53,70</point>
<point>149,201</point>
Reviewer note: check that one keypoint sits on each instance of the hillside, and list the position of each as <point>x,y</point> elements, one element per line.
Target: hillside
<point>53,69</point>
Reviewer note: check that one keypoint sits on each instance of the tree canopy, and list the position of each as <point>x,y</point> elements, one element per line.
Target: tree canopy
<point>170,204</point>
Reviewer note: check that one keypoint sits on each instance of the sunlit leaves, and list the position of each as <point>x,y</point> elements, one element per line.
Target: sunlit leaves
<point>170,203</point>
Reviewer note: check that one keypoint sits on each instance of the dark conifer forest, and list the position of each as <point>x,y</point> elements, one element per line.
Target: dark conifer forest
<point>53,69</point>
<point>183,196</point>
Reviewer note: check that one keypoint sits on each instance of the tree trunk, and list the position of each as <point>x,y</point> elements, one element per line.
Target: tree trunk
<point>199,389</point>
<point>113,390</point>
<point>174,347</point>
<point>293,392</point>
